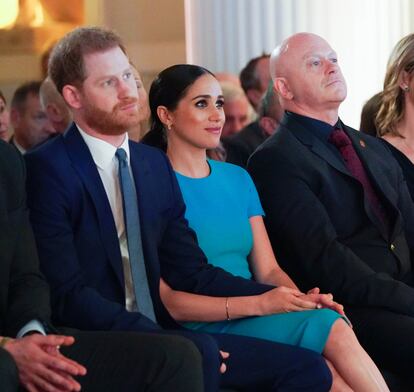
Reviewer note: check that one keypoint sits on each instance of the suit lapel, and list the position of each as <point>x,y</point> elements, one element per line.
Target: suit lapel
<point>307,138</point>
<point>84,165</point>
<point>368,157</point>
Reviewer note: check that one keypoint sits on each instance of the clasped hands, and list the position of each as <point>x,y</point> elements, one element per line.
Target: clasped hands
<point>41,365</point>
<point>284,299</point>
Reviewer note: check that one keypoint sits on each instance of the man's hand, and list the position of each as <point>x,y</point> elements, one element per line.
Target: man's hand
<point>223,367</point>
<point>283,300</point>
<point>41,366</point>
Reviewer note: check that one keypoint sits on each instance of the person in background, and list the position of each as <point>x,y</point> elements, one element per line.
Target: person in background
<point>4,118</point>
<point>255,78</point>
<point>237,109</point>
<point>368,115</point>
<point>240,146</point>
<point>54,106</point>
<point>395,117</point>
<point>30,123</point>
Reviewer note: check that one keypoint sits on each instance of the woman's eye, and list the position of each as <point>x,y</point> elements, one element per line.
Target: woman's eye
<point>201,104</point>
<point>220,103</point>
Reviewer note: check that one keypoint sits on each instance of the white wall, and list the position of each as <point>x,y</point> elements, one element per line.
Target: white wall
<point>224,34</point>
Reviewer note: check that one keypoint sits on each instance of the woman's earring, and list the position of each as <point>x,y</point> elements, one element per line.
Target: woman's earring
<point>169,126</point>
<point>405,88</point>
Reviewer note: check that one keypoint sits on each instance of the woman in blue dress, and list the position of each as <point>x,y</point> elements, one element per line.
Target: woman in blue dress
<point>224,210</point>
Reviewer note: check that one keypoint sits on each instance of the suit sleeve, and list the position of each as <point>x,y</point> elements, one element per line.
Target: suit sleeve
<point>306,242</point>
<point>184,265</point>
<point>75,301</point>
<point>28,292</point>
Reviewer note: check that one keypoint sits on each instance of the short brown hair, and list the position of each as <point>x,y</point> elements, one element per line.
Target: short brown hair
<point>66,62</point>
<point>248,75</point>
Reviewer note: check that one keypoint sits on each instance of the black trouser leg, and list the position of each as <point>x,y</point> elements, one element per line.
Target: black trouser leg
<point>129,361</point>
<point>9,376</point>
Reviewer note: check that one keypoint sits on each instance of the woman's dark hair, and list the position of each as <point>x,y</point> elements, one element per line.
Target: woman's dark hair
<point>167,90</point>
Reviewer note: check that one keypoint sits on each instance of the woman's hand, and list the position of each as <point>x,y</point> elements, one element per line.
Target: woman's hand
<point>283,299</point>
<point>324,300</point>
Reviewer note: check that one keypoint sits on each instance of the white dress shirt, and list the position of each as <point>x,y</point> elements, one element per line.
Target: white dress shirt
<point>103,155</point>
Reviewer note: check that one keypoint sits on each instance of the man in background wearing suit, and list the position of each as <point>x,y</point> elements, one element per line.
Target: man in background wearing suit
<point>338,211</point>
<point>104,241</point>
<point>114,361</point>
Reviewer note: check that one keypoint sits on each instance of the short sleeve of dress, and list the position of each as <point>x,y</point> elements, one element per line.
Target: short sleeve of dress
<point>254,206</point>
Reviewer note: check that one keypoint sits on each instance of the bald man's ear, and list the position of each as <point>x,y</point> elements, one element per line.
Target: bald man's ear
<point>72,96</point>
<point>282,88</point>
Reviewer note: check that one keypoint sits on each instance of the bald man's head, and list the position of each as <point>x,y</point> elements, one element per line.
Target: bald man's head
<point>307,77</point>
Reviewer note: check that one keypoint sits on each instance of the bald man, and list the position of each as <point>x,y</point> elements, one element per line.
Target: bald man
<point>338,211</point>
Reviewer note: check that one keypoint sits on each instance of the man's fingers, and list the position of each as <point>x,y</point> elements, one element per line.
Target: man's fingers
<point>224,354</point>
<point>64,364</point>
<point>51,380</point>
<point>223,368</point>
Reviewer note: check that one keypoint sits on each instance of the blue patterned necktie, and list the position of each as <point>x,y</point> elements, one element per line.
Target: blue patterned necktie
<point>133,232</point>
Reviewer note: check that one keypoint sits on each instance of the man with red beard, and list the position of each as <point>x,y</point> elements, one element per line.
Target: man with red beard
<point>109,222</point>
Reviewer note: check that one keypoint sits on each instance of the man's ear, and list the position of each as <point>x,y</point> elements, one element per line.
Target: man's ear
<point>165,116</point>
<point>15,117</point>
<point>72,96</point>
<point>282,88</point>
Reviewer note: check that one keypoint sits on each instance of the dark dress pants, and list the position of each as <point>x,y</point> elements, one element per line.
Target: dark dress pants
<point>388,338</point>
<point>259,365</point>
<point>132,362</point>
<point>9,377</point>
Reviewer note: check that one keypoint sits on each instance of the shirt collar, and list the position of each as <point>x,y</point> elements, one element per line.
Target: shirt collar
<point>320,129</point>
<point>103,153</point>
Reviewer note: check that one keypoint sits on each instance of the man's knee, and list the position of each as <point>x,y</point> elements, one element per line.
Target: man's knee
<point>9,375</point>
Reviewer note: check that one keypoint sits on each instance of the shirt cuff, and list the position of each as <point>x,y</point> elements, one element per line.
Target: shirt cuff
<point>31,326</point>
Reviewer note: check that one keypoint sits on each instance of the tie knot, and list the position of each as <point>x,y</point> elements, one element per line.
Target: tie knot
<point>121,155</point>
<point>339,138</point>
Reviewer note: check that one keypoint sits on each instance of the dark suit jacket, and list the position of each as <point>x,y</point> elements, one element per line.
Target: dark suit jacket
<point>323,231</point>
<point>78,244</point>
<point>24,294</point>
<point>240,146</point>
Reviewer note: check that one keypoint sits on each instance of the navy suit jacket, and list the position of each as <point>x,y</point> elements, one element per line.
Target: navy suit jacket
<point>78,244</point>
<point>323,230</point>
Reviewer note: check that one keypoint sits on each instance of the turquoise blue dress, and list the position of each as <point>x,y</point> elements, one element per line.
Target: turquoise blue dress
<point>218,210</point>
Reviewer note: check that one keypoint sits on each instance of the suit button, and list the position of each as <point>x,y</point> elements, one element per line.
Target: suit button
<point>392,247</point>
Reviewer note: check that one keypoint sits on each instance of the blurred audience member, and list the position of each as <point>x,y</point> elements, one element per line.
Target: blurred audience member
<point>4,118</point>
<point>395,118</point>
<point>30,123</point>
<point>54,106</point>
<point>137,132</point>
<point>237,109</point>
<point>228,78</point>
<point>242,145</point>
<point>369,111</point>
<point>254,79</point>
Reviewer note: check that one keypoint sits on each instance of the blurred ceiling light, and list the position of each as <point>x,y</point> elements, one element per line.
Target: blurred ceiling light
<point>9,10</point>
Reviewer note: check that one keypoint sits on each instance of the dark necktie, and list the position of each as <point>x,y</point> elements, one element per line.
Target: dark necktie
<point>133,231</point>
<point>352,161</point>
